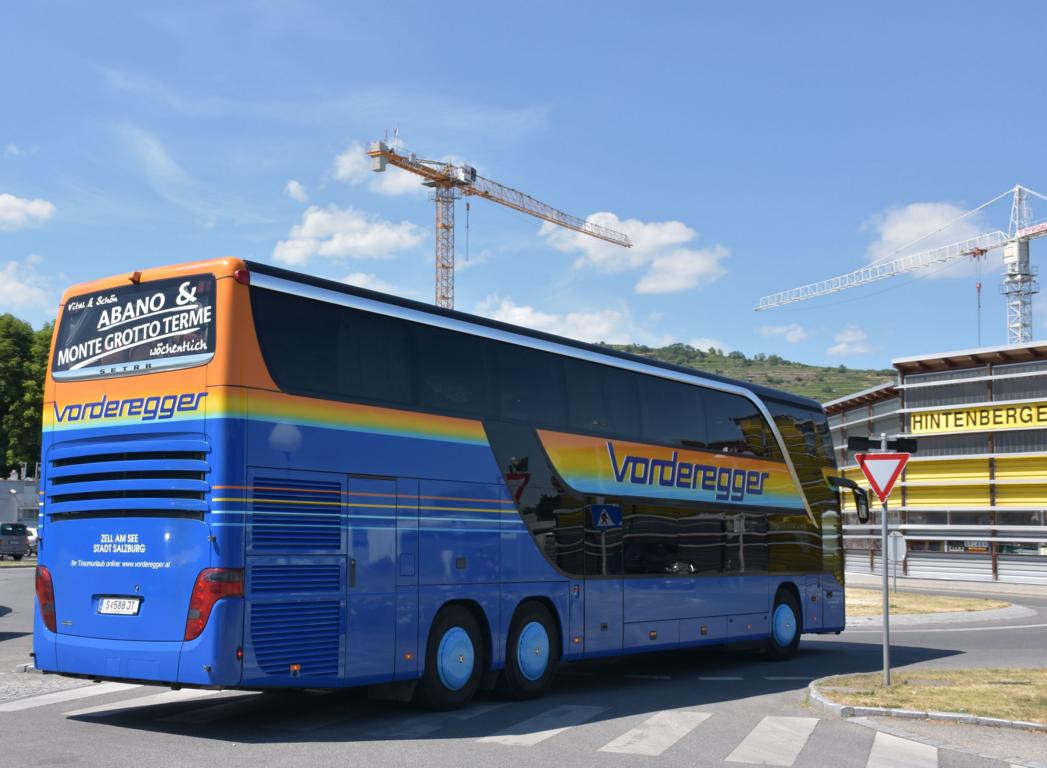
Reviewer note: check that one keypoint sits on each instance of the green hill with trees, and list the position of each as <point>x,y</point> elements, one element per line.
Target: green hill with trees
<point>821,383</point>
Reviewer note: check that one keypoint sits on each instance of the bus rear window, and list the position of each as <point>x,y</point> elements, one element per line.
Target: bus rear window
<point>136,328</point>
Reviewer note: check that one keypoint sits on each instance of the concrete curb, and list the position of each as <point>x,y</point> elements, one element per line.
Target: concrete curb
<point>1013,611</point>
<point>846,711</point>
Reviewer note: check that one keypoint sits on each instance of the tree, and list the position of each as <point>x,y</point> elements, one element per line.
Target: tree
<point>23,363</point>
<point>21,425</point>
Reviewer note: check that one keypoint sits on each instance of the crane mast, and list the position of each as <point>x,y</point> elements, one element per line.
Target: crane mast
<point>449,182</point>
<point>1019,279</point>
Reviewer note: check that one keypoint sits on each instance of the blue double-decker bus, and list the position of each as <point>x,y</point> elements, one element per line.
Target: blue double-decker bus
<point>258,479</point>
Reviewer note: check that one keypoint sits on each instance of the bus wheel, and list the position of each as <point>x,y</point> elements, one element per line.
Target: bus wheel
<point>785,627</point>
<point>454,661</point>
<point>531,653</point>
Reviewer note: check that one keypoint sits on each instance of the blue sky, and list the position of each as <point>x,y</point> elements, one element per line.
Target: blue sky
<point>746,147</point>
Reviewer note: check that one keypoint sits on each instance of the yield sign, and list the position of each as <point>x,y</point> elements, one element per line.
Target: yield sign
<point>882,470</point>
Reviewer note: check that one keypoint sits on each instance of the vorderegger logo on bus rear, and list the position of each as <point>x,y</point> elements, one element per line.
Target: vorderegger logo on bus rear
<point>154,408</point>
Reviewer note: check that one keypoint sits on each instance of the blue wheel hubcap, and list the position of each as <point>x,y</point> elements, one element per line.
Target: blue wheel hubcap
<point>532,650</point>
<point>455,658</point>
<point>784,625</point>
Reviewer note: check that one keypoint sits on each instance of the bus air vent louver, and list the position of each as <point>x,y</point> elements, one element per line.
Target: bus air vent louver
<point>125,476</point>
<point>305,633</point>
<point>295,516</point>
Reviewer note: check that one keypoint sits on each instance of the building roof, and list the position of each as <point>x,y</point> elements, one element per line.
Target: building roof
<point>868,396</point>
<point>971,358</point>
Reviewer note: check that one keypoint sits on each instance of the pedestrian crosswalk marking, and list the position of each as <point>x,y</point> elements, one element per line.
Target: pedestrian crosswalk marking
<point>544,726</point>
<point>895,752</point>
<point>169,697</point>
<point>71,694</point>
<point>774,741</point>
<point>657,734</point>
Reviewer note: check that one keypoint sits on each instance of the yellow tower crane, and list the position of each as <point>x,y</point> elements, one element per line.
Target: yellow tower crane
<point>449,182</point>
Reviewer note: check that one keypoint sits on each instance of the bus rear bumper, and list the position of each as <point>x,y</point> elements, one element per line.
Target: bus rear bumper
<point>173,662</point>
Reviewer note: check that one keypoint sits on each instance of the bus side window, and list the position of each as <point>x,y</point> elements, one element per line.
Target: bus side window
<point>672,413</point>
<point>530,386</point>
<point>374,358</point>
<point>735,425</point>
<point>454,371</point>
<point>601,399</point>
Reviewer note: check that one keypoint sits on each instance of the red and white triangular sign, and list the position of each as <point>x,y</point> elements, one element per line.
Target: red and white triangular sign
<point>882,470</point>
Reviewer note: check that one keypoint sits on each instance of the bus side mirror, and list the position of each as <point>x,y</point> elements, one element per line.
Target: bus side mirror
<point>861,504</point>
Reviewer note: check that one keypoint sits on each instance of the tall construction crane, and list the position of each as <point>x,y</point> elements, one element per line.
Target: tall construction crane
<point>1019,278</point>
<point>449,182</point>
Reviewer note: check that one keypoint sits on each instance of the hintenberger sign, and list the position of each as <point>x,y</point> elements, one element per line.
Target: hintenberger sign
<point>980,419</point>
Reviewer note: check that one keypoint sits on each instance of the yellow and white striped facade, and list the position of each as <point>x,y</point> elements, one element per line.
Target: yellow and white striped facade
<point>973,499</point>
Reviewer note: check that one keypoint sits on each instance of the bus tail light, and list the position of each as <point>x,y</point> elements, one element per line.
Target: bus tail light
<point>211,586</point>
<point>45,597</point>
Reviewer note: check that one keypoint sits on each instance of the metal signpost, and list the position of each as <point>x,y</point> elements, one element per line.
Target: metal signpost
<point>882,470</point>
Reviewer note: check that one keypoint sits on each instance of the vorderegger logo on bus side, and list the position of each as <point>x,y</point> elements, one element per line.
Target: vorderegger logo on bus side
<point>154,408</point>
<point>727,483</point>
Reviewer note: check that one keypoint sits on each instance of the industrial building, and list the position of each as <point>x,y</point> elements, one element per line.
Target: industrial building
<point>972,500</point>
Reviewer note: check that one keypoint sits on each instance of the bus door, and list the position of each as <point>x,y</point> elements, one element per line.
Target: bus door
<point>371,565</point>
<point>603,588</point>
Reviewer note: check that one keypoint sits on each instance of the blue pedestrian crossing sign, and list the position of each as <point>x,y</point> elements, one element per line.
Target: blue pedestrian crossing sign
<point>606,516</point>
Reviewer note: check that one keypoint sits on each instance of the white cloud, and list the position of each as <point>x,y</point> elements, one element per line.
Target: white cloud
<point>24,286</point>
<point>20,212</point>
<point>396,181</point>
<point>792,333</point>
<point>658,246</point>
<point>16,151</point>
<point>852,340</point>
<point>615,326</point>
<point>898,227</point>
<point>371,281</point>
<point>296,191</point>
<point>338,233</point>
<point>352,166</point>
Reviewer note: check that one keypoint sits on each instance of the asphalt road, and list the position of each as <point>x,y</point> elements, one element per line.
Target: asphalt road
<point>694,708</point>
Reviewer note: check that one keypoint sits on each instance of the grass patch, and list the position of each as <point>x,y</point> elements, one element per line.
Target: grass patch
<point>869,602</point>
<point>1012,694</point>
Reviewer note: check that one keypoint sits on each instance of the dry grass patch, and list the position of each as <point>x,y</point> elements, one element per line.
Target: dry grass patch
<point>1012,694</point>
<point>869,602</point>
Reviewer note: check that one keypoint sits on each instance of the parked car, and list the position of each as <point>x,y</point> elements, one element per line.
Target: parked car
<point>14,540</point>
<point>34,540</point>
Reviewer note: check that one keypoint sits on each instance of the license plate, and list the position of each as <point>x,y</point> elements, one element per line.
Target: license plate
<point>122,606</point>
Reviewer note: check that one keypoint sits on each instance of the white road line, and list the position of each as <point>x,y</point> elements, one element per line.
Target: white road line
<point>657,733</point>
<point>418,727</point>
<point>894,752</point>
<point>720,679</point>
<point>72,694</point>
<point>774,741</point>
<point>543,726</point>
<point>169,697</point>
